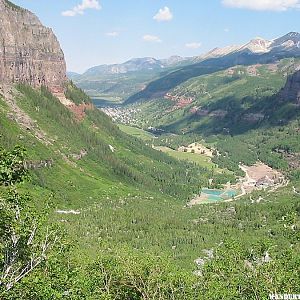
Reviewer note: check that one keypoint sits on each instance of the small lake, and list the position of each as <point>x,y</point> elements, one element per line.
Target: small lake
<point>218,195</point>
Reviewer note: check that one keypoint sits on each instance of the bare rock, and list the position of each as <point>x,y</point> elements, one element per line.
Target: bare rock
<point>291,90</point>
<point>29,52</point>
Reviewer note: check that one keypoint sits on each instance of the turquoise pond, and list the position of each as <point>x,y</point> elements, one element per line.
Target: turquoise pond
<point>218,195</point>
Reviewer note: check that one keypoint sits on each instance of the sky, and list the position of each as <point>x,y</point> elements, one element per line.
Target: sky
<point>95,32</point>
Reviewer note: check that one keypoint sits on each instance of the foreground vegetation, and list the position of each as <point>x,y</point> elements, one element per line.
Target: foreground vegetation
<point>132,236</point>
<point>254,249</point>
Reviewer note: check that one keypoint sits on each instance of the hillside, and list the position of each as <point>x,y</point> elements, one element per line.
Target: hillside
<point>67,127</point>
<point>239,98</point>
<point>74,152</point>
<point>284,47</point>
<point>89,212</point>
<point>146,78</point>
<point>119,81</point>
<point>239,104</point>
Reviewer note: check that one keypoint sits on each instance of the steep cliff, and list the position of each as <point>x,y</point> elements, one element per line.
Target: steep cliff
<point>29,52</point>
<point>291,90</point>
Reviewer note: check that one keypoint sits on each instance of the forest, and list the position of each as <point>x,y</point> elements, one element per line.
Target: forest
<point>252,251</point>
<point>45,255</point>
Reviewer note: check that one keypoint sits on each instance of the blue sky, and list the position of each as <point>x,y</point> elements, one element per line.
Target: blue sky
<point>94,32</point>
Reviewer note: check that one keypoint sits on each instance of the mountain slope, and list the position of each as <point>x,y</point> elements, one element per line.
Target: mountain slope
<point>239,98</point>
<point>133,65</point>
<point>105,151</point>
<point>119,81</point>
<point>136,78</point>
<point>284,47</point>
<point>66,128</point>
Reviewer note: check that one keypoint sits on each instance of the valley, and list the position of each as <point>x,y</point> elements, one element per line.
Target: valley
<point>257,177</point>
<point>177,178</point>
<point>178,108</point>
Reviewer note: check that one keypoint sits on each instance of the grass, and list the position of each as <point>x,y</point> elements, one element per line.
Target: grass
<point>201,160</point>
<point>136,132</point>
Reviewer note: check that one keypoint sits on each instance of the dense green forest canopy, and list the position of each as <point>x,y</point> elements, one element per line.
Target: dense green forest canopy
<point>262,248</point>
<point>89,253</point>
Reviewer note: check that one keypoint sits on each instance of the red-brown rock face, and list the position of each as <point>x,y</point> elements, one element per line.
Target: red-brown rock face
<point>29,52</point>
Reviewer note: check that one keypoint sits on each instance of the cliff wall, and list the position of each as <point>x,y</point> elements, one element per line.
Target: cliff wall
<point>29,52</point>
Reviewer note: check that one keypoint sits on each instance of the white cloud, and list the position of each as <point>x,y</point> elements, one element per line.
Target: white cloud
<point>164,14</point>
<point>112,34</point>
<point>194,45</point>
<point>68,13</point>
<point>80,8</point>
<point>151,38</point>
<point>274,5</point>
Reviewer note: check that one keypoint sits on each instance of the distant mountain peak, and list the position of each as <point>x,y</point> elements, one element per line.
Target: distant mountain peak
<point>142,59</point>
<point>288,41</point>
<point>173,60</point>
<point>293,34</point>
<point>257,45</point>
<point>135,64</point>
<point>219,52</point>
<point>258,38</point>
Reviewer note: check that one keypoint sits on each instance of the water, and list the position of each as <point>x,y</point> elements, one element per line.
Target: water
<point>218,195</point>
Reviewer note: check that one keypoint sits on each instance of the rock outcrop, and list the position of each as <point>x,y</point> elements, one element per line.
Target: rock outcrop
<point>29,52</point>
<point>291,90</point>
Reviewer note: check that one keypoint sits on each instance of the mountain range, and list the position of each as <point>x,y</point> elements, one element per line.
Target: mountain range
<point>257,51</point>
<point>126,80</point>
<point>288,42</point>
<point>132,65</point>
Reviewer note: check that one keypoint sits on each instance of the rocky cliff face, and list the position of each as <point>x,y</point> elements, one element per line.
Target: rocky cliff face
<point>291,90</point>
<point>29,51</point>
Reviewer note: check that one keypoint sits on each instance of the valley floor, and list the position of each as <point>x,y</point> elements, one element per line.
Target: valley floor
<point>257,177</point>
